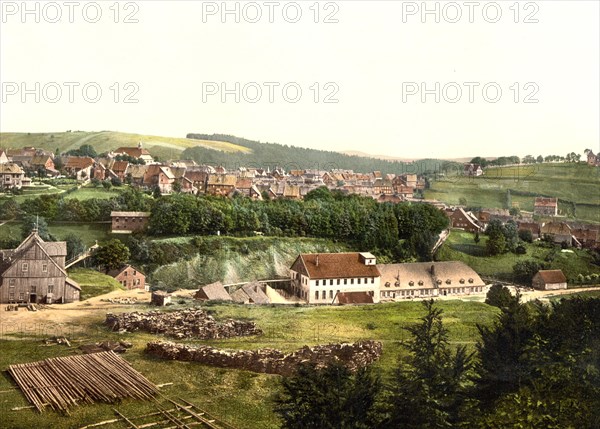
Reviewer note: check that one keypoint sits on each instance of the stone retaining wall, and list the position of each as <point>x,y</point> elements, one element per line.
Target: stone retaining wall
<point>352,355</point>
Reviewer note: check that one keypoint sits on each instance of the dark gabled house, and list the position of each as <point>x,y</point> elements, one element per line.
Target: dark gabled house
<point>35,272</point>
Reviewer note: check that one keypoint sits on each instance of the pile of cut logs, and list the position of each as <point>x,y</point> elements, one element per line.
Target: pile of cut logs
<point>191,323</point>
<point>64,382</point>
<point>352,355</point>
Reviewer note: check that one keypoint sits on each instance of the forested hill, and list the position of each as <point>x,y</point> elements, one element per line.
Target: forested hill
<point>264,155</point>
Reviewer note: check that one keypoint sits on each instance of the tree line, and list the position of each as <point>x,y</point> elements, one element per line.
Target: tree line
<point>394,232</point>
<point>273,155</point>
<point>537,367</point>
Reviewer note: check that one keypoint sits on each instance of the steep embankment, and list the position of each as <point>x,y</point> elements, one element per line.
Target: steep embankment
<point>233,260</point>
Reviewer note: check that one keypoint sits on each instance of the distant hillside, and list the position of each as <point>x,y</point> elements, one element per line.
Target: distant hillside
<point>163,147</point>
<point>293,157</point>
<point>395,158</point>
<point>575,184</point>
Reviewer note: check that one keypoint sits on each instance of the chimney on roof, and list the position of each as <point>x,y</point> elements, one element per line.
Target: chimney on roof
<point>317,260</point>
<point>433,270</point>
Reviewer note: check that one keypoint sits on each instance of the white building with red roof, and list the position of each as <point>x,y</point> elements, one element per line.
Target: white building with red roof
<point>318,278</point>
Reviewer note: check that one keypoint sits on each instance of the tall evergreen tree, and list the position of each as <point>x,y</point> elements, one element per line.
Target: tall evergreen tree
<point>429,386</point>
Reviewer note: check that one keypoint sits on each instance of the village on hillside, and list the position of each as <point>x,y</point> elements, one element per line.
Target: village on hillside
<point>370,283</point>
<point>438,251</point>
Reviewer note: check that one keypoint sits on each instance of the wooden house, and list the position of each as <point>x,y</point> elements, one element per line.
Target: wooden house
<point>549,280</point>
<point>35,272</point>
<point>461,219</point>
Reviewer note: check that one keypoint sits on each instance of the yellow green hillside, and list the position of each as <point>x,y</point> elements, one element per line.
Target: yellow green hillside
<point>166,147</point>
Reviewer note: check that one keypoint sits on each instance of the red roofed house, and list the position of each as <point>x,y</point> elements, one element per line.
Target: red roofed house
<point>161,176</point>
<point>319,278</point>
<point>129,277</point>
<point>135,152</point>
<point>549,280</point>
<point>545,206</point>
<point>79,167</point>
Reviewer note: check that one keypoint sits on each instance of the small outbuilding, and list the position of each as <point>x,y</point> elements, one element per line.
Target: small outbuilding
<point>160,298</point>
<point>212,292</point>
<point>549,280</point>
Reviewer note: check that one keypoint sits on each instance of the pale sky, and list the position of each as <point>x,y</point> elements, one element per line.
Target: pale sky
<point>376,59</point>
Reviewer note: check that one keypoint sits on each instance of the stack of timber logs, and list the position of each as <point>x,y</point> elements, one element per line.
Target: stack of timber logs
<point>64,382</point>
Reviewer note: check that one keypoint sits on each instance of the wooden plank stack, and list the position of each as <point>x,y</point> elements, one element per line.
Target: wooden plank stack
<point>65,382</point>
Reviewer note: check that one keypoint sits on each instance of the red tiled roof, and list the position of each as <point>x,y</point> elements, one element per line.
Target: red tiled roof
<point>552,276</point>
<point>134,152</point>
<point>546,202</point>
<point>80,162</point>
<point>335,265</point>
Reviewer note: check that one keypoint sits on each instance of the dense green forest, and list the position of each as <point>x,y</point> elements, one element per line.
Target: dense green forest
<point>273,155</point>
<point>537,367</point>
<point>394,232</point>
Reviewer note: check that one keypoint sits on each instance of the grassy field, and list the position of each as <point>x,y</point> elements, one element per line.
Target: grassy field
<point>89,232</point>
<point>238,397</point>
<point>578,183</point>
<point>94,283</point>
<point>89,192</point>
<point>460,247</point>
<point>107,140</point>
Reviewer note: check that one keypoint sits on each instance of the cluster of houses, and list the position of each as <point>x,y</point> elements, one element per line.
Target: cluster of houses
<point>35,272</point>
<point>135,165</point>
<point>577,234</point>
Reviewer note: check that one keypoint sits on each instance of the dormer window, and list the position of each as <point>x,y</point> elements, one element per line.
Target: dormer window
<point>448,281</point>
<point>421,283</point>
<point>462,281</point>
<point>387,284</point>
<point>471,280</point>
<point>438,282</point>
<point>411,283</point>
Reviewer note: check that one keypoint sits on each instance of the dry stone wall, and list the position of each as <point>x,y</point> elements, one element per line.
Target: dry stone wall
<point>192,323</point>
<point>352,355</point>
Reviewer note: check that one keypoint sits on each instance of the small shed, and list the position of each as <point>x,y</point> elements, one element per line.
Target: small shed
<point>160,298</point>
<point>212,292</point>
<point>549,280</point>
<point>251,293</point>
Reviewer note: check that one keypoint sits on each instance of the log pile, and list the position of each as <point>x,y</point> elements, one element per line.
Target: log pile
<point>352,355</point>
<point>191,323</point>
<point>64,382</point>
